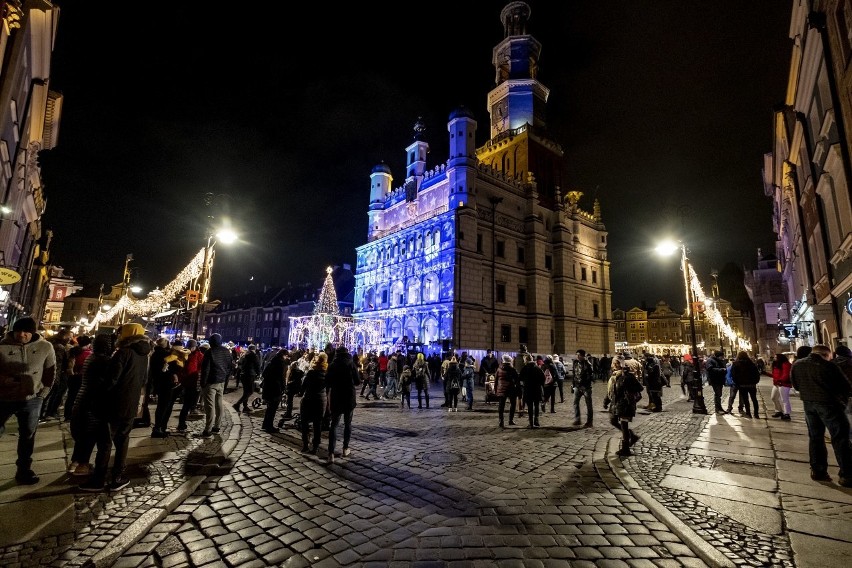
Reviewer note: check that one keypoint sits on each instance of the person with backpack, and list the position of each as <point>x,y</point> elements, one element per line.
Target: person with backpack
<point>622,390</point>
<point>421,379</point>
<point>405,380</point>
<point>372,373</point>
<point>453,379</point>
<point>560,376</point>
<point>653,382</point>
<point>550,374</point>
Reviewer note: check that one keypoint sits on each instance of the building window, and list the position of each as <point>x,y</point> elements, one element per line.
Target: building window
<point>523,336</point>
<point>583,273</point>
<point>632,337</point>
<point>506,333</point>
<point>594,276</point>
<point>479,242</point>
<point>596,310</point>
<point>520,254</point>
<point>548,261</point>
<point>522,296</point>
<point>501,292</point>
<point>501,249</point>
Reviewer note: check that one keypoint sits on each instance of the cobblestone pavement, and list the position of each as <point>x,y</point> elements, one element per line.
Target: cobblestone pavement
<point>424,488</point>
<point>665,442</point>
<point>100,517</point>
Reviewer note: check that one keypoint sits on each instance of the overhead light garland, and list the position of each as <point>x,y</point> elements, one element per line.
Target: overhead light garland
<point>713,315</point>
<point>158,299</point>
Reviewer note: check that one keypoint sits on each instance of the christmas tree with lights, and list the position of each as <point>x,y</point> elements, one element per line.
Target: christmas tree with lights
<point>327,303</point>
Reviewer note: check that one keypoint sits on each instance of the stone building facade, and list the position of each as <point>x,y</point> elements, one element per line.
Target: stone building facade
<point>488,249</point>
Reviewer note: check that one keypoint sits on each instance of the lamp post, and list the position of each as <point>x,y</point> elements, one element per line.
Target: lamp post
<point>696,387</point>
<point>495,201</point>
<point>226,236</point>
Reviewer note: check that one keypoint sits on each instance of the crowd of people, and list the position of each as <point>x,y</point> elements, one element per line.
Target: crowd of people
<point>102,387</point>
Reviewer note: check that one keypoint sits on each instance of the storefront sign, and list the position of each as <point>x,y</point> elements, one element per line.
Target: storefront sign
<point>849,306</point>
<point>8,276</point>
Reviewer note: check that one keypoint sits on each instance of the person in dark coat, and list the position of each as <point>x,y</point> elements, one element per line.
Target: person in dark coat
<point>746,375</point>
<point>506,387</point>
<point>273,388</point>
<point>217,365</point>
<point>341,381</point>
<point>91,411</point>
<point>532,377</point>
<point>314,401</point>
<point>127,375</point>
<point>190,383</point>
<point>453,381</point>
<point>620,400</point>
<point>249,371</point>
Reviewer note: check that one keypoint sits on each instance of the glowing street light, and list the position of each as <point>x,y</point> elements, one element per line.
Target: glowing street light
<point>667,248</point>
<point>136,289</point>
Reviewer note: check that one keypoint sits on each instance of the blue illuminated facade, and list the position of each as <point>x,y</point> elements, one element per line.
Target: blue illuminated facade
<point>486,250</point>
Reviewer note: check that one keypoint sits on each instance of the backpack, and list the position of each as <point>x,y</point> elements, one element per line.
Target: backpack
<point>548,376</point>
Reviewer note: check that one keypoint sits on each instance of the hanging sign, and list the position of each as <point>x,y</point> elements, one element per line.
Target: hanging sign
<point>8,276</point>
<point>849,306</point>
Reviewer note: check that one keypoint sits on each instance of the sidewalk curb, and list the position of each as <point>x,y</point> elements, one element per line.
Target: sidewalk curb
<point>140,527</point>
<point>605,453</point>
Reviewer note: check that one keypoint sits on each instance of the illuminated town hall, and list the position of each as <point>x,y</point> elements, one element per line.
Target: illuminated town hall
<point>490,249</point>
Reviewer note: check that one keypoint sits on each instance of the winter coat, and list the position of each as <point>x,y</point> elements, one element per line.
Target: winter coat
<point>453,378</point>
<point>405,381</point>
<point>273,378</point>
<point>128,373</point>
<point>340,380</point>
<point>27,370</point>
<point>250,364</point>
<point>716,370</point>
<point>92,396</point>
<point>781,375</point>
<point>217,364</point>
<point>820,381</point>
<point>488,366</point>
<point>744,373</point>
<point>313,395</point>
<point>191,378</point>
<point>421,373</point>
<point>621,392</point>
<point>533,379</point>
<point>506,381</point>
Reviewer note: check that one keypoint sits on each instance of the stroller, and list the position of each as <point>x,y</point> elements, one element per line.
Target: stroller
<point>491,389</point>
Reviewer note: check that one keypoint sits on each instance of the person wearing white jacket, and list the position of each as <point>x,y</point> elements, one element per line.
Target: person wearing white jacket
<point>27,370</point>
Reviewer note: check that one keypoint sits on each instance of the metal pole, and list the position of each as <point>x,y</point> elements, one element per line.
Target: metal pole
<point>698,406</point>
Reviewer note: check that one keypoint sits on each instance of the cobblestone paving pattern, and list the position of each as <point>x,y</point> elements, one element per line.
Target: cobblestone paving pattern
<point>666,440</point>
<point>99,517</point>
<point>421,488</point>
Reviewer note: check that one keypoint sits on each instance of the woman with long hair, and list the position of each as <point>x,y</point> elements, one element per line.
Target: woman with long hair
<point>781,386</point>
<point>313,405</point>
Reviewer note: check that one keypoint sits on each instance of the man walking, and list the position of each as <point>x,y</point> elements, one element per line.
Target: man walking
<point>583,377</point>
<point>824,392</point>
<point>215,369</point>
<point>27,367</point>
<point>717,371</point>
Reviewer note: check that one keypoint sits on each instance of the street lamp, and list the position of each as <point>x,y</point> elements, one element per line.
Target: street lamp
<point>225,236</point>
<point>696,387</point>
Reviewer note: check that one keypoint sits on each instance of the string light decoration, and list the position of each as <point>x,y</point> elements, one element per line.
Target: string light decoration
<point>158,299</point>
<point>326,325</point>
<point>713,315</point>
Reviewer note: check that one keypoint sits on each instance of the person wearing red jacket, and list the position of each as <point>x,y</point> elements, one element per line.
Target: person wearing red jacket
<point>383,369</point>
<point>781,386</point>
<point>190,382</point>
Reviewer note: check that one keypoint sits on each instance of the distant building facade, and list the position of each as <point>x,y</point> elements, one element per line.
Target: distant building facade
<point>766,291</point>
<point>488,249</point>
<point>59,287</point>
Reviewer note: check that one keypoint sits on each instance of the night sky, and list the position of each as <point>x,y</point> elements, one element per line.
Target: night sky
<point>663,108</point>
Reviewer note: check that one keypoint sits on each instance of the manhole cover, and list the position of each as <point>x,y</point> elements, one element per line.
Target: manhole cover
<point>441,458</point>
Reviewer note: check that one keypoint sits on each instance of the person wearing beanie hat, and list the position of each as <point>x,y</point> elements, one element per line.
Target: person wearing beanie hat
<point>216,366</point>
<point>25,324</point>
<point>27,370</point>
